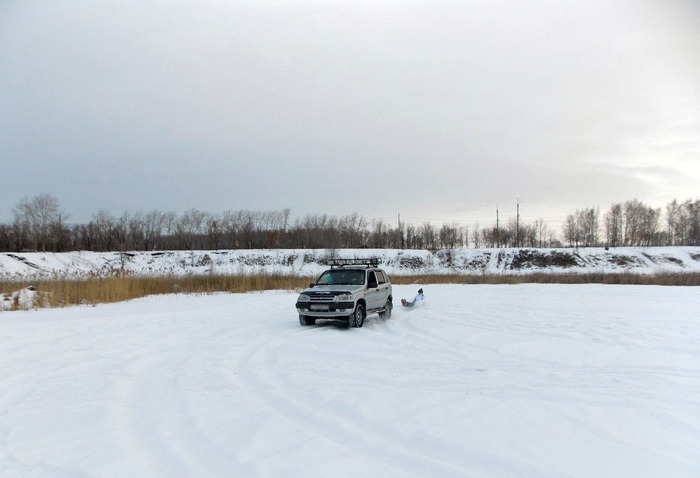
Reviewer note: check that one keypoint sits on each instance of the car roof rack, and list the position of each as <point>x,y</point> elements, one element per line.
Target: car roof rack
<point>338,263</point>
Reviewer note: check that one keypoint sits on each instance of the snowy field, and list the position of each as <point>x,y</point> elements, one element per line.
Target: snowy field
<point>481,381</point>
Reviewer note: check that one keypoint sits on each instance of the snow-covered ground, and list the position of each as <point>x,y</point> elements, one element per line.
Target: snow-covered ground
<point>35,265</point>
<point>481,381</point>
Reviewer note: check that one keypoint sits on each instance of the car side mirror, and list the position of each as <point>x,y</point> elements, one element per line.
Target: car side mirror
<point>311,286</point>
<point>372,285</point>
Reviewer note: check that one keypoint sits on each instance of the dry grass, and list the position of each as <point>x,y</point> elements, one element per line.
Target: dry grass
<point>116,289</point>
<point>688,279</point>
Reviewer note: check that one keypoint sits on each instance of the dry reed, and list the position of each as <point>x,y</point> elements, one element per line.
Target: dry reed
<point>66,292</point>
<point>116,289</point>
<point>667,279</point>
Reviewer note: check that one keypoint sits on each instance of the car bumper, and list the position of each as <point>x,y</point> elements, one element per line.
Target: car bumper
<point>325,310</point>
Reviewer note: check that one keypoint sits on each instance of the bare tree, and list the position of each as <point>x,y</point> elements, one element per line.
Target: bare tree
<point>476,236</point>
<point>650,226</point>
<point>189,228</point>
<point>412,238</point>
<point>137,230</point>
<point>355,226</point>
<point>491,238</point>
<point>38,217</point>
<point>102,227</point>
<point>588,227</point>
<point>542,233</point>
<point>641,223</point>
<point>429,236</point>
<point>692,213</point>
<point>570,231</point>
<point>152,229</point>
<point>378,234</point>
<point>614,226</point>
<point>449,236</point>
<point>683,221</point>
<point>214,231</point>
<point>120,231</point>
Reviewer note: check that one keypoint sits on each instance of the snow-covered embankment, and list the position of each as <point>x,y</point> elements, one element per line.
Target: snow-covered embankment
<point>309,262</point>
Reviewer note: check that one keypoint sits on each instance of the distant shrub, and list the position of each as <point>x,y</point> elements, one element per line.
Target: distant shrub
<point>529,258</point>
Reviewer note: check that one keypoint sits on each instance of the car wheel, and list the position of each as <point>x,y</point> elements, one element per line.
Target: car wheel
<point>304,320</point>
<point>386,314</point>
<point>358,317</point>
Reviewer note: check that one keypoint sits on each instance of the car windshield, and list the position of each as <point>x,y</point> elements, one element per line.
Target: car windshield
<point>342,277</point>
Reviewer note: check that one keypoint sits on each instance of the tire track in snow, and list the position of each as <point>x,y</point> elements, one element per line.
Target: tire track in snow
<point>164,434</point>
<point>344,420</point>
<point>339,423</point>
<point>140,415</point>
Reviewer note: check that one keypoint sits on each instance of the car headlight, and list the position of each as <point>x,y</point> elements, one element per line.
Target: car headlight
<point>345,297</point>
<point>303,298</point>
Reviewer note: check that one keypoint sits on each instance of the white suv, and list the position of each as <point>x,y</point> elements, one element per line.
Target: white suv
<point>349,290</point>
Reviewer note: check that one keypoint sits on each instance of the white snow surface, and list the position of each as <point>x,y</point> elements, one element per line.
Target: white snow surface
<point>535,380</point>
<point>37,265</point>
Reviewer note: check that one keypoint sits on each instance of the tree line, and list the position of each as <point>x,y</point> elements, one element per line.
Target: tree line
<point>40,224</point>
<point>633,223</point>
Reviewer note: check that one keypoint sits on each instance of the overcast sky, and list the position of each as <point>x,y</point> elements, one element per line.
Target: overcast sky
<point>435,110</point>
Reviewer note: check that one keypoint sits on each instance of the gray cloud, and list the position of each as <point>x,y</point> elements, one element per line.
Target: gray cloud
<point>446,108</point>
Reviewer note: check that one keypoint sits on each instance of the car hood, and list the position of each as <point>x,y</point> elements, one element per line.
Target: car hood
<point>334,289</point>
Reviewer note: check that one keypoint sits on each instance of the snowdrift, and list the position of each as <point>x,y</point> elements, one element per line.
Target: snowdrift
<point>309,262</point>
<point>23,299</point>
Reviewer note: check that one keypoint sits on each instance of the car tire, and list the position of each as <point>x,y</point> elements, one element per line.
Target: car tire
<point>386,313</point>
<point>358,317</point>
<point>304,320</point>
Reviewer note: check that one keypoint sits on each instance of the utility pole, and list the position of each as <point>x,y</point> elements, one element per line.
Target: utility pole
<point>517,224</point>
<point>498,233</point>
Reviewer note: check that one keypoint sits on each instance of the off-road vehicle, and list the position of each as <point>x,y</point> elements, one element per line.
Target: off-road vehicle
<point>349,290</point>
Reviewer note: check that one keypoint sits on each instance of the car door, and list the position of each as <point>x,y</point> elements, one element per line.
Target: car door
<point>384,286</point>
<point>374,294</point>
